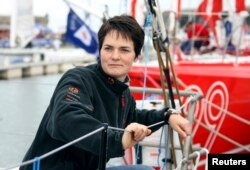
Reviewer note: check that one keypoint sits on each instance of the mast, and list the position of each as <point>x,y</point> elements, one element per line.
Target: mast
<point>22,23</point>
<point>12,23</point>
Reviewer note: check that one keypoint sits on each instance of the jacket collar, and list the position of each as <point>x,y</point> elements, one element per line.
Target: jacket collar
<point>116,85</point>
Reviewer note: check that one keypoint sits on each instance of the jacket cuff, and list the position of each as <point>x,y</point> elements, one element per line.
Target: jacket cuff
<point>168,113</point>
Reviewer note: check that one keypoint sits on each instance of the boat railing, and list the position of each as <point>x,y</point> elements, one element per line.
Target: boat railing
<point>187,152</point>
<point>235,44</point>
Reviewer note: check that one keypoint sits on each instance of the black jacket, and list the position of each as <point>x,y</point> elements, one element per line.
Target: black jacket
<point>83,100</point>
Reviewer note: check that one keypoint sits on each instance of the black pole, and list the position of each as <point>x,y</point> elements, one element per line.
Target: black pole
<point>171,93</point>
<point>103,148</point>
<point>160,47</point>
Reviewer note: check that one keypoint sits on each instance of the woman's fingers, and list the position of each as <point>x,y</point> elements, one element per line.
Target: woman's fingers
<point>139,131</point>
<point>181,125</point>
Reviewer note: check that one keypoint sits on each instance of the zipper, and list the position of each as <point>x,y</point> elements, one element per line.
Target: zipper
<point>122,101</point>
<point>123,119</point>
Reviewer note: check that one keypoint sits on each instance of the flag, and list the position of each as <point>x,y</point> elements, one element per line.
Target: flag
<point>80,34</point>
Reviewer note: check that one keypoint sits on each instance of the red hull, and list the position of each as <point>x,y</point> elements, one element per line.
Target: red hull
<point>225,85</point>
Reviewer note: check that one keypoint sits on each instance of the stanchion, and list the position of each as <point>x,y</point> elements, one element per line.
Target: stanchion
<point>103,148</point>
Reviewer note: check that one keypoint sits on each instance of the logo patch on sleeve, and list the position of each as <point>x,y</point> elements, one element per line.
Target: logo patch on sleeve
<point>73,94</point>
<point>74,90</point>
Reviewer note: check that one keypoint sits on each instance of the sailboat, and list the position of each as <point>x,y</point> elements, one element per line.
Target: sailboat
<point>222,121</point>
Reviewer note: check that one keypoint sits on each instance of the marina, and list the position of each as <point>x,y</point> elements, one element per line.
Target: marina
<point>207,83</point>
<point>20,63</point>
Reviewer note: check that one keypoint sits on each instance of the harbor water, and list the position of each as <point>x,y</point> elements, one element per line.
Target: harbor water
<point>22,105</point>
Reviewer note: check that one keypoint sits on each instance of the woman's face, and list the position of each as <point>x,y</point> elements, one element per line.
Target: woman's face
<point>117,55</point>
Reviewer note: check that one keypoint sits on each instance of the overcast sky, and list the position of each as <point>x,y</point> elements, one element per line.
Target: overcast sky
<point>58,9</point>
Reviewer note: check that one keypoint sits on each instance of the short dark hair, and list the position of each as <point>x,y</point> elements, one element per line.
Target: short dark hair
<point>127,27</point>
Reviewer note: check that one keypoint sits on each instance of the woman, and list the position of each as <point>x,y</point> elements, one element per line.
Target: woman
<point>87,97</point>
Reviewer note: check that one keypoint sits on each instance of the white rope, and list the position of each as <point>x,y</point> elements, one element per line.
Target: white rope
<point>196,154</point>
<point>233,115</point>
<point>222,136</point>
<point>197,159</point>
<point>190,98</point>
<point>207,152</point>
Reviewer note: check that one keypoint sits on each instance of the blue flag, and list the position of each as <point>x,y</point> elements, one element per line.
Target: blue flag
<point>80,34</point>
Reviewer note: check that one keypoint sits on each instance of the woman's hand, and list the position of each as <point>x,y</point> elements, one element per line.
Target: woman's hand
<point>133,134</point>
<point>180,125</point>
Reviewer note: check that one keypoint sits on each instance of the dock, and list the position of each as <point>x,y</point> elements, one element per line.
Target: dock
<point>18,63</point>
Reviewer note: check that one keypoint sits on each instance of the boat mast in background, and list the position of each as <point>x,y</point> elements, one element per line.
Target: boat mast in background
<point>22,23</point>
